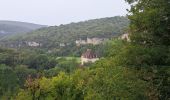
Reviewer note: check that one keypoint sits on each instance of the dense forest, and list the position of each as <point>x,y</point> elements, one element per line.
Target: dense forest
<point>138,69</point>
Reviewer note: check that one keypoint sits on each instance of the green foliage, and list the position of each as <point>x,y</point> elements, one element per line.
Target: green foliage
<point>140,56</point>
<point>22,73</point>
<point>150,62</point>
<point>51,37</point>
<point>150,21</point>
<point>8,82</point>
<point>149,47</point>
<point>52,72</point>
<point>8,57</point>
<point>67,65</point>
<point>100,83</point>
<point>40,62</point>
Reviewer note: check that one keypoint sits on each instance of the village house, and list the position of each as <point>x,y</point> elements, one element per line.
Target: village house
<point>125,37</point>
<point>88,57</point>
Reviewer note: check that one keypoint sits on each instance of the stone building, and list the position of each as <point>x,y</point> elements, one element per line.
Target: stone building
<point>88,57</point>
<point>125,37</point>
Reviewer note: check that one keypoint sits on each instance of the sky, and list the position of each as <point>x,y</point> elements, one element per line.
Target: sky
<point>56,12</point>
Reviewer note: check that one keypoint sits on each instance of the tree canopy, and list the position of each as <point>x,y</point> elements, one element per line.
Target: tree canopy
<point>150,21</point>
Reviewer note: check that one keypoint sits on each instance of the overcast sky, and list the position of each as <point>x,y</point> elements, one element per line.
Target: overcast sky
<point>55,12</point>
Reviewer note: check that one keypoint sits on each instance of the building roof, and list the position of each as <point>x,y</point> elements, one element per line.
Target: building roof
<point>89,54</point>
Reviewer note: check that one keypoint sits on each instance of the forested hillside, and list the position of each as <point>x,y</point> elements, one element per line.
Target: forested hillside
<point>13,27</point>
<point>52,37</point>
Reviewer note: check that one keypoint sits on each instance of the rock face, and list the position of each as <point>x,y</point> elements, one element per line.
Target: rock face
<point>33,44</point>
<point>62,44</point>
<point>93,41</point>
<point>89,57</point>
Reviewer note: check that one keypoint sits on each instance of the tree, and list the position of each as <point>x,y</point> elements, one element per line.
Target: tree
<point>22,73</point>
<point>104,82</point>
<point>150,21</point>
<point>8,82</point>
<point>149,49</point>
<point>40,62</point>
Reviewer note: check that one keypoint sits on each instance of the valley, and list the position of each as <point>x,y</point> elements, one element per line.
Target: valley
<point>107,58</point>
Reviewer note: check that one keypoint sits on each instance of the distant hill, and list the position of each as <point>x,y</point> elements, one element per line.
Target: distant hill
<point>13,27</point>
<point>55,36</point>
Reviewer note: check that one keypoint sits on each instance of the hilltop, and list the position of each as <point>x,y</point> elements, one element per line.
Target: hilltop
<point>13,27</point>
